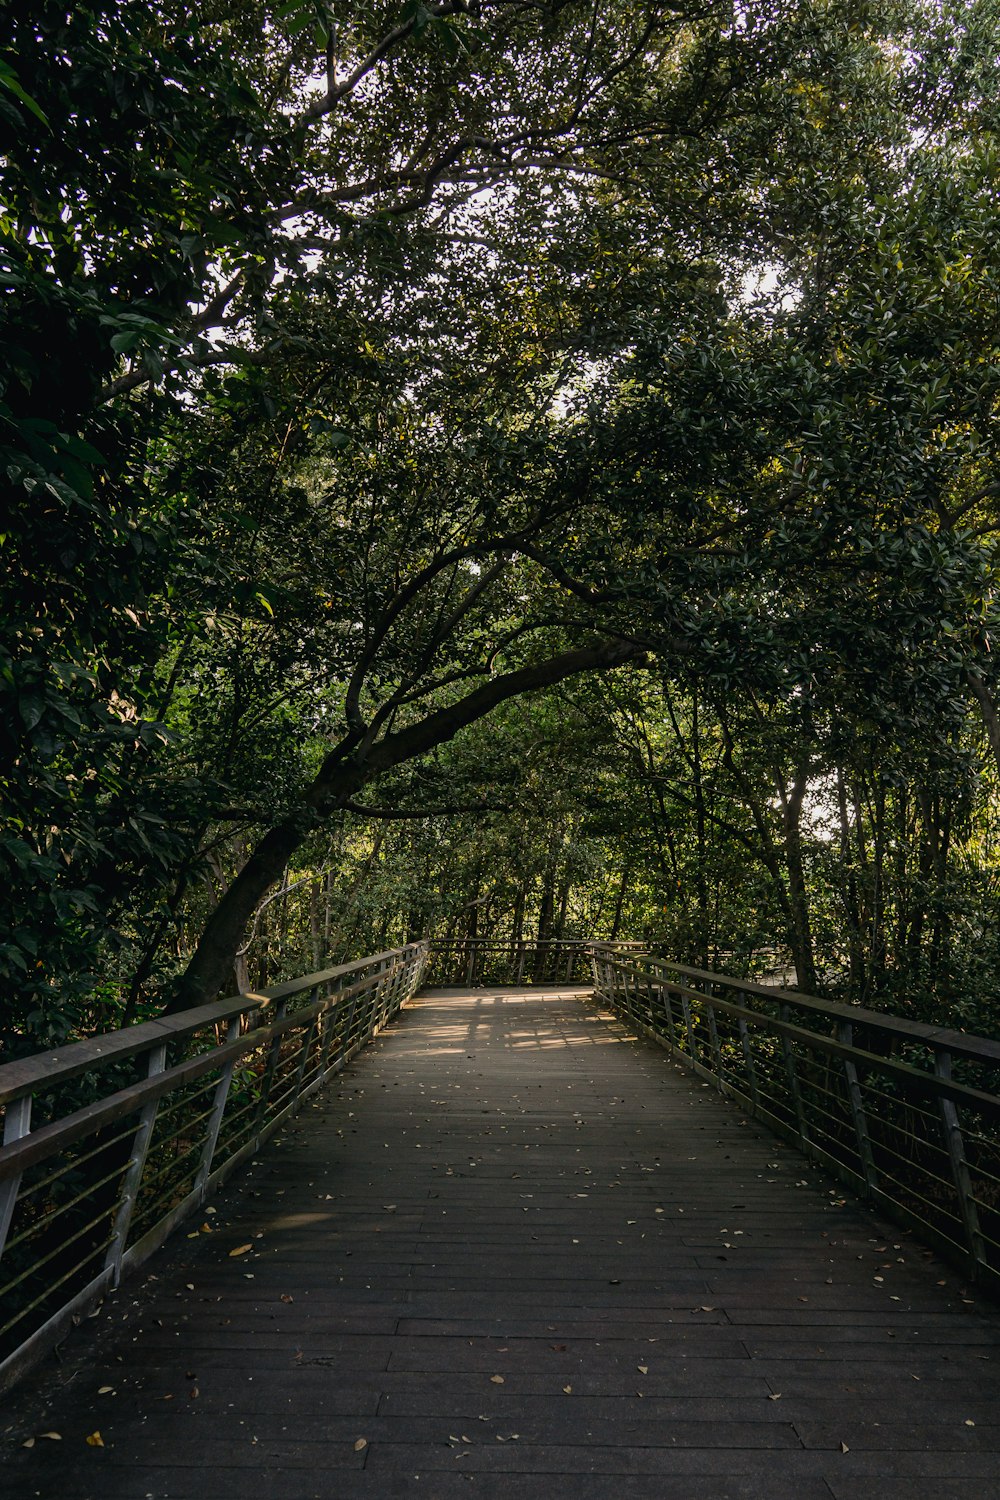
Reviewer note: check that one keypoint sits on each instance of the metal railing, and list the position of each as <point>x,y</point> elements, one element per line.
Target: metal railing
<point>908,1115</point>
<point>481,961</point>
<point>108,1143</point>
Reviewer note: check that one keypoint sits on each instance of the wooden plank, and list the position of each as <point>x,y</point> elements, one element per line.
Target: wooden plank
<point>518,1188</point>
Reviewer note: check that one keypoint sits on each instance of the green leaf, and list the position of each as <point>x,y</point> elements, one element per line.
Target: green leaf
<point>9,81</point>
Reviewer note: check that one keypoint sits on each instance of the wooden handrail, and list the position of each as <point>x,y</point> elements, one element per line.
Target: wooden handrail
<point>27,1074</point>
<point>156,1147</point>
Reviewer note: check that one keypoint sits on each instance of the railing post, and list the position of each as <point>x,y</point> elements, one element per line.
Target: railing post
<point>713,1035</point>
<point>791,1074</point>
<point>307,1040</point>
<point>845,1034</point>
<point>329,1032</point>
<point>689,1027</point>
<point>747,1049</point>
<point>650,1006</point>
<point>219,1099</point>
<point>133,1174</point>
<point>667,1006</point>
<point>959,1165</point>
<point>345,1040</point>
<point>16,1125</point>
<point>268,1076</point>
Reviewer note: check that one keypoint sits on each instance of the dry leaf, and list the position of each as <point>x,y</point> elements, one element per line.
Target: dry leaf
<point>94,1440</point>
<point>844,1448</point>
<point>28,1443</point>
<point>775,1397</point>
<point>361,1443</point>
<point>241,1249</point>
<point>55,1437</point>
<point>286,1298</point>
<point>643,1369</point>
<point>567,1390</point>
<point>105,1390</point>
<point>496,1380</point>
<point>969,1422</point>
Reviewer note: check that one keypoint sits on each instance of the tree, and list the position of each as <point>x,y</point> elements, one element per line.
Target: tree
<point>438,385</point>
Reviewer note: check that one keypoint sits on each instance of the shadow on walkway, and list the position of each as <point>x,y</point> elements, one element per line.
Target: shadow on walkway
<point>514,1252</point>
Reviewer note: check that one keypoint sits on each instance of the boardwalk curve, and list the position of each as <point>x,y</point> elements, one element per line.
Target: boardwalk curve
<point>514,1252</point>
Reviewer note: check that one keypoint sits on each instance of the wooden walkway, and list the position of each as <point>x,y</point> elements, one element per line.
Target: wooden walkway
<point>514,1254</point>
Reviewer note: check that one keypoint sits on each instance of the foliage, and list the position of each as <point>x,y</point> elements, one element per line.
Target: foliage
<point>367,375</point>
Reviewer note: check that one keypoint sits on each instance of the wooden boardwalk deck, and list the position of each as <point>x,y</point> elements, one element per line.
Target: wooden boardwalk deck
<point>515,1253</point>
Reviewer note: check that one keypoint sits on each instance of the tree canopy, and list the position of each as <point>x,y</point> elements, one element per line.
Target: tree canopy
<point>496,463</point>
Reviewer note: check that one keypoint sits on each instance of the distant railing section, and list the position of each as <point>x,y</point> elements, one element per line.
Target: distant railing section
<point>907,1114</point>
<point>109,1143</point>
<point>479,961</point>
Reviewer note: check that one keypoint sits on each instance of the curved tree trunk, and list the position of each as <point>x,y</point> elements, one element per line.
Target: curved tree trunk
<point>337,782</point>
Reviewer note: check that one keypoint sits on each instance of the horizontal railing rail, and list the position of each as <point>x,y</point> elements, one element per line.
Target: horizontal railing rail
<point>907,1114</point>
<point>483,961</point>
<point>109,1143</point>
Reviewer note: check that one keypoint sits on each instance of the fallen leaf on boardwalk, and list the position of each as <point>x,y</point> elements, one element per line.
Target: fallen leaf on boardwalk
<point>643,1369</point>
<point>361,1443</point>
<point>775,1397</point>
<point>105,1390</point>
<point>969,1422</point>
<point>844,1448</point>
<point>55,1437</point>
<point>94,1440</point>
<point>241,1249</point>
<point>286,1298</point>
<point>28,1443</point>
<point>567,1390</point>
<point>466,1439</point>
<point>496,1379</point>
<point>390,1208</point>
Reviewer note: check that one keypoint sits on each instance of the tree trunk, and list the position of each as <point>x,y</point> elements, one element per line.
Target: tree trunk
<point>798,892</point>
<point>338,780</point>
